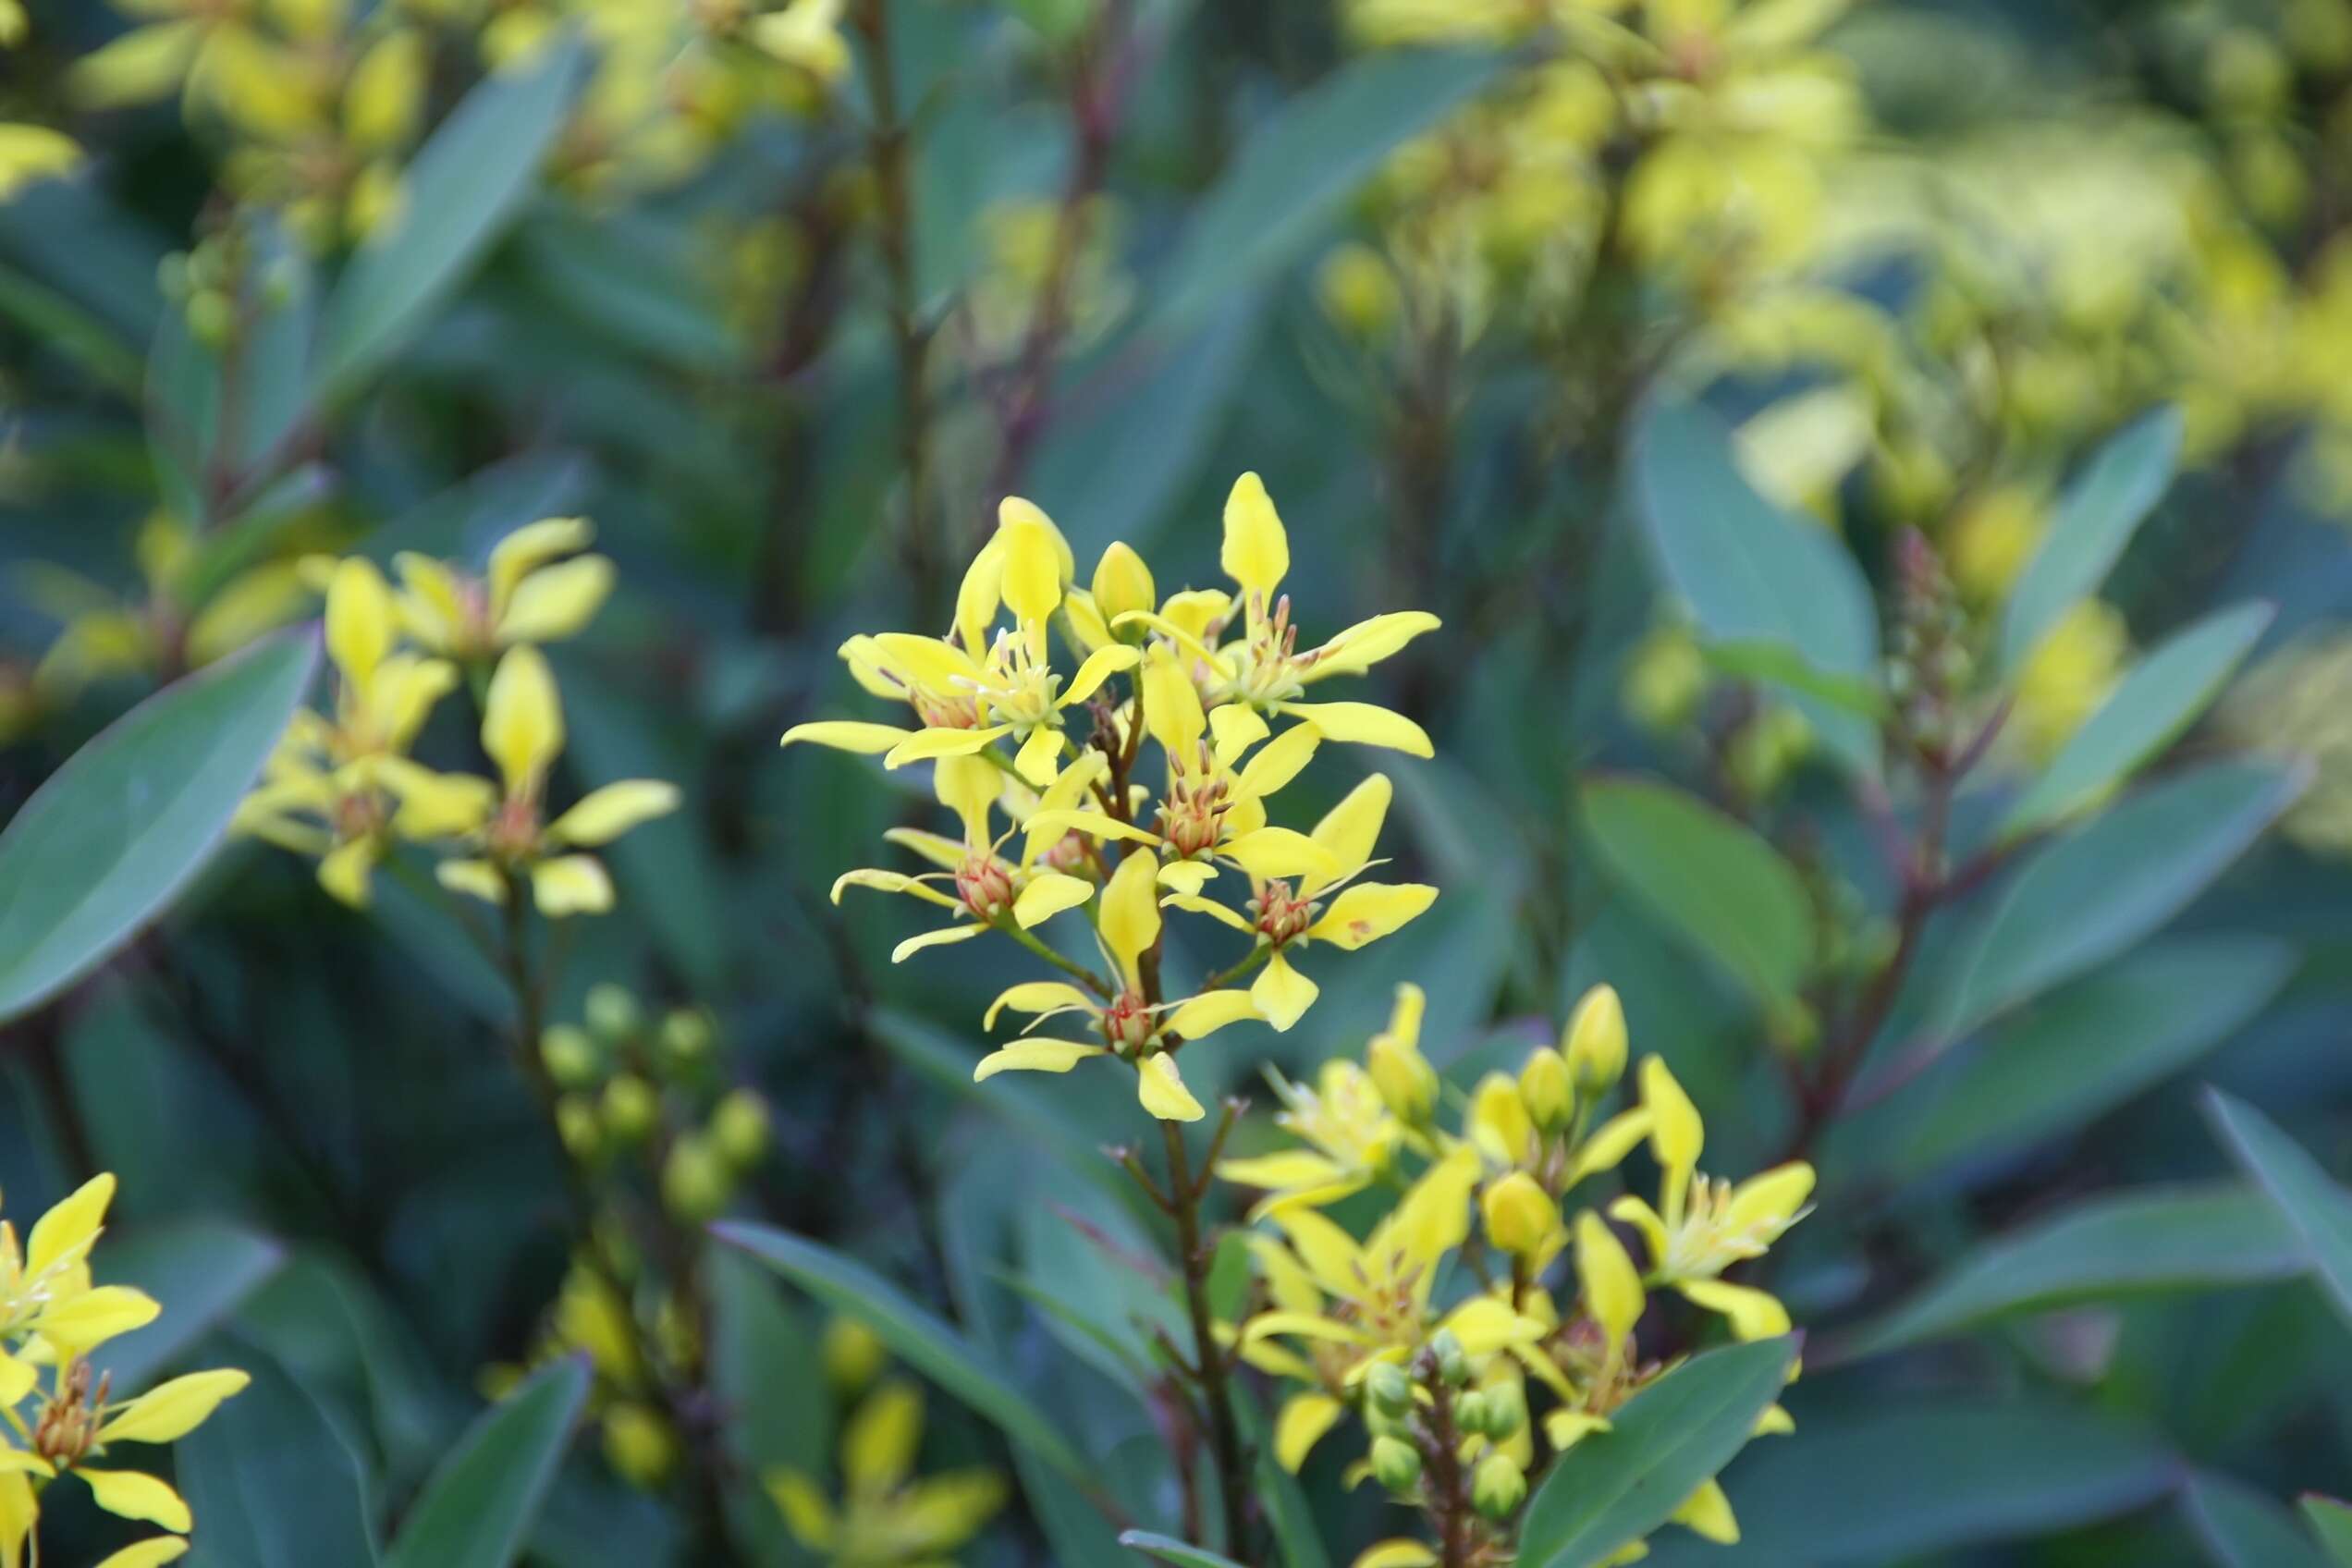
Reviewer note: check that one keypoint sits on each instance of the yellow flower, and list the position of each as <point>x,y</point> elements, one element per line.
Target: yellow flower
<point>522,729</point>
<point>1704,1225</point>
<point>532,593</point>
<point>1264,668</point>
<point>1127,925</point>
<point>887,1517</point>
<point>29,154</point>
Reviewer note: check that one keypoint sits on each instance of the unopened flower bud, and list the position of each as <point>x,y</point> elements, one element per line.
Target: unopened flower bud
<point>1122,587</point>
<point>1506,1408</point>
<point>1549,1089</point>
<point>1448,1357</point>
<point>1396,1464</point>
<point>696,1183</point>
<point>577,1124</point>
<point>852,1355</point>
<point>1594,1042</point>
<point>1389,1388</point>
<point>611,1012</point>
<point>1408,1085</point>
<point>739,1128</point>
<point>686,1034</point>
<point>571,1056</point>
<point>631,1107</point>
<point>1499,1487</point>
<point>1470,1413</point>
<point>639,1444</point>
<point>1521,1216</point>
<point>1498,1120</point>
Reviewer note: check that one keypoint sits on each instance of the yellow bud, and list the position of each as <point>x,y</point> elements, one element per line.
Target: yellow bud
<point>1594,1041</point>
<point>386,91</point>
<point>571,1056</point>
<point>1358,291</point>
<point>1499,1486</point>
<point>1611,1289</point>
<point>739,1128</point>
<point>1408,1085</point>
<point>852,1355</point>
<point>1498,1120</point>
<point>611,1012</point>
<point>576,1122</point>
<point>639,1444</point>
<point>696,1183</point>
<point>1676,1135</point>
<point>685,1034</point>
<point>1122,585</point>
<point>1548,1088</point>
<point>631,1107</point>
<point>1521,1216</point>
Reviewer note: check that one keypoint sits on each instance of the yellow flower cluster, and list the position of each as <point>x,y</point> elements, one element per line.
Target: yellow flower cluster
<point>342,786</point>
<point>52,1316</point>
<point>1445,1390</point>
<point>887,1517</point>
<point>1205,674</point>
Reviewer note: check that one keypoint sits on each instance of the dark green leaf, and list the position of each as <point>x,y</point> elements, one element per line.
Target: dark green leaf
<point>1176,1551</point>
<point>2331,1521</point>
<point>1294,174</point>
<point>2317,1210</point>
<point>1665,1442</point>
<point>2165,1239</point>
<point>2160,697</point>
<point>201,1270</point>
<point>477,1508</point>
<point>2102,507</point>
<point>1288,1514</point>
<point>102,847</point>
<point>2092,894</point>
<point>1779,664</point>
<point>1752,574</point>
<point>1714,880</point>
<point>275,1483</point>
<point>462,187</point>
<point>65,327</point>
<point>2241,1528</point>
<point>916,1334</point>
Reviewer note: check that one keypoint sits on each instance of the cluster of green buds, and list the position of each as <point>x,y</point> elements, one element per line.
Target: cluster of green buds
<point>1443,1441</point>
<point>1928,666</point>
<point>224,279</point>
<point>634,1090</point>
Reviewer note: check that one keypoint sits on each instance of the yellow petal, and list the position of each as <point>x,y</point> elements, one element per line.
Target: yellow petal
<point>1362,724</point>
<point>358,619</point>
<point>1128,914</point>
<point>879,1442</point>
<point>924,745</point>
<point>436,805</point>
<point>1610,1142</point>
<point>19,1510</point>
<point>64,1234</point>
<point>1035,761</point>
<point>1612,1290</point>
<point>1281,992</point>
<point>848,735</point>
<point>16,1379</point>
<point>1036,998</point>
<point>89,1319</point>
<point>1211,908</point>
<point>1033,573</point>
<point>557,602</point>
<point>344,872</point>
<point>1367,642</point>
<point>134,1496</point>
<point>475,878</point>
<point>1209,1012</point>
<point>1565,1428</point>
<point>805,1512</point>
<point>1256,552</point>
<point>1172,707</point>
<point>1676,1135</point>
<point>170,1411</point>
<point>1280,761</point>
<point>940,937</point>
<point>1369,911</point>
<point>1398,1553</point>
<point>522,726</point>
<point>1274,1173</point>
<point>1772,1199</point>
<point>1186,876</point>
<point>385,90</point>
<point>1350,830</point>
<point>1101,666</point>
<point>1752,1314</point>
<point>147,1553</point>
<point>1161,1089</point>
<point>1304,1420</point>
<point>1708,1513</point>
<point>602,816</point>
<point>143,64</point>
<point>531,547</point>
<point>1236,727</point>
<point>968,786</point>
<point>1270,853</point>
<point>570,885</point>
<point>1047,894</point>
<point>1033,1055</point>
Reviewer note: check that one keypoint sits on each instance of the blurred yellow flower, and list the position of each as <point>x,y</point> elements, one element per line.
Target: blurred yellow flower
<point>886,1515</point>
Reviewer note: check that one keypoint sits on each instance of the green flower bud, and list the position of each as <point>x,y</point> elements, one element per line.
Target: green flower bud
<point>1447,1356</point>
<point>1499,1487</point>
<point>1396,1464</point>
<point>571,1056</point>
<point>686,1034</point>
<point>1388,1386</point>
<point>1408,1085</point>
<point>631,1107</point>
<point>1506,1408</point>
<point>612,1013</point>
<point>576,1123</point>
<point>1548,1088</point>
<point>1470,1412</point>
<point>696,1183</point>
<point>639,1444</point>
<point>739,1128</point>
<point>211,318</point>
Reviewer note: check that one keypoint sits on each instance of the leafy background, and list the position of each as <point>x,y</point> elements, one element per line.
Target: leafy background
<point>2060,1310</point>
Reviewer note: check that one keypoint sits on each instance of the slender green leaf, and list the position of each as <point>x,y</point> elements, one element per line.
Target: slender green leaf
<point>275,1482</point>
<point>1288,1513</point>
<point>1781,664</point>
<point>65,327</point>
<point>2165,1239</point>
<point>2160,697</point>
<point>1294,174</point>
<point>2096,516</point>
<point>1666,1440</point>
<point>2093,893</point>
<point>477,1508</point>
<point>2319,1210</point>
<point>2242,1528</point>
<point>1714,880</point>
<point>1752,574</point>
<point>2074,1055</point>
<point>915,1333</point>
<point>2331,1521</point>
<point>105,844</point>
<point>201,1270</point>
<point>1938,1477</point>
<point>462,188</point>
<point>1170,1550</point>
